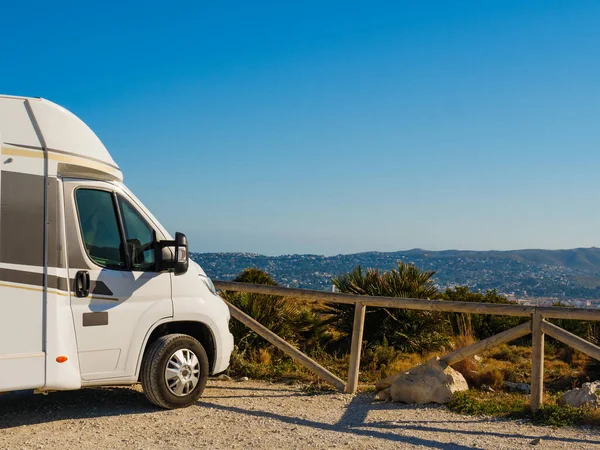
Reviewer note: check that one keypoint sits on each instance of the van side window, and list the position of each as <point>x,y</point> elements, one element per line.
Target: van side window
<point>140,237</point>
<point>100,228</point>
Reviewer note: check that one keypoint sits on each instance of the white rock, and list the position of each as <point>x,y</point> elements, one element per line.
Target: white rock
<point>223,377</point>
<point>386,382</point>
<point>384,394</point>
<point>432,382</point>
<point>586,395</point>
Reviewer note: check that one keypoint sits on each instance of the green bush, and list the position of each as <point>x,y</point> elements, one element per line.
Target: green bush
<point>482,325</point>
<point>559,416</point>
<point>377,355</point>
<point>513,405</point>
<point>478,403</point>
<point>291,320</point>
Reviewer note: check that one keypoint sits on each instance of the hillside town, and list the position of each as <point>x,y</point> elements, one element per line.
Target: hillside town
<point>524,278</point>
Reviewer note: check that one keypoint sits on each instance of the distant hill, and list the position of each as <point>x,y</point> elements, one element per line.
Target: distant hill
<point>578,258</point>
<point>573,273</point>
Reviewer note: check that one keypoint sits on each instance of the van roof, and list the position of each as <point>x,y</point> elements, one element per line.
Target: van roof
<point>37,124</point>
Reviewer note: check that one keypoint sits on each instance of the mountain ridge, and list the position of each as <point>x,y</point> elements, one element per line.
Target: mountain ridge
<point>580,257</point>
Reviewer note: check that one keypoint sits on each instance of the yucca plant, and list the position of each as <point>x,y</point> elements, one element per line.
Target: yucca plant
<point>406,330</point>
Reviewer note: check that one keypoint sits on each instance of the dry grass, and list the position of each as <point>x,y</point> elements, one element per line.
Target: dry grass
<point>513,365</point>
<point>264,356</point>
<point>510,353</point>
<point>469,369</point>
<point>382,361</point>
<point>465,334</point>
<point>489,377</point>
<point>564,368</point>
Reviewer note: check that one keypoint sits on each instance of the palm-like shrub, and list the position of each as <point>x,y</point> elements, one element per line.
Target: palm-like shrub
<point>406,330</point>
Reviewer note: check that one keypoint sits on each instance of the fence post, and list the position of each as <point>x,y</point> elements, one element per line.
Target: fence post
<point>537,363</point>
<point>357,336</point>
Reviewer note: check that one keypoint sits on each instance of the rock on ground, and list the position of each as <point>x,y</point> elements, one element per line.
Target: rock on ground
<point>517,387</point>
<point>259,415</point>
<point>432,382</point>
<point>586,395</point>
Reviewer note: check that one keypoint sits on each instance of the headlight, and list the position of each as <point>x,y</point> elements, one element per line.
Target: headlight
<point>209,284</point>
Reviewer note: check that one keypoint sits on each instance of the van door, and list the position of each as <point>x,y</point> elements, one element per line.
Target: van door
<point>110,250</point>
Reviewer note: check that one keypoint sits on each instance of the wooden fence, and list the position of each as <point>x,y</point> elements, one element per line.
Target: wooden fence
<point>537,326</point>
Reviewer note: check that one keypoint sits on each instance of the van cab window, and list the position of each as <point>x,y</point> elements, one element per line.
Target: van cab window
<point>139,235</point>
<point>100,228</point>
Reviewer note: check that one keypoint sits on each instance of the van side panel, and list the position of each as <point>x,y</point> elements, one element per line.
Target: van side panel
<point>22,356</point>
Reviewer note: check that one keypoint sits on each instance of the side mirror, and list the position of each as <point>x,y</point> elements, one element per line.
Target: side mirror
<point>182,261</point>
<point>173,255</point>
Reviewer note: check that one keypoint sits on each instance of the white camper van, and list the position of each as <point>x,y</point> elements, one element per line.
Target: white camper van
<point>93,290</point>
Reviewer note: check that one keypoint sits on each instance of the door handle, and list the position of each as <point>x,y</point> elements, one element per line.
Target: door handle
<point>82,283</point>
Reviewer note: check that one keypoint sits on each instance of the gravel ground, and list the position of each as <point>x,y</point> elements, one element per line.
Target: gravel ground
<point>258,415</point>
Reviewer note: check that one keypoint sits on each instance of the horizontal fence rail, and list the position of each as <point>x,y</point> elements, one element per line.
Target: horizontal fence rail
<point>552,312</point>
<point>537,326</point>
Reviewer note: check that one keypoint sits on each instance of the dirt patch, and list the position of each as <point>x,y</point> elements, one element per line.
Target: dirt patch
<point>258,415</point>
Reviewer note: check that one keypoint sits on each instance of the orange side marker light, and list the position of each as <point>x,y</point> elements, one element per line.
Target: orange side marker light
<point>61,359</point>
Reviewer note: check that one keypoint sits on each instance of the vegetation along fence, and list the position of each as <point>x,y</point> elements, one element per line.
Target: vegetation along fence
<point>537,326</point>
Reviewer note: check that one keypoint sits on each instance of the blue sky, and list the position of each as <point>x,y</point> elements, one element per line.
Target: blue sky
<point>334,127</point>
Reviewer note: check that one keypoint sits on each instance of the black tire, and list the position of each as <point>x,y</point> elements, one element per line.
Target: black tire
<point>154,366</point>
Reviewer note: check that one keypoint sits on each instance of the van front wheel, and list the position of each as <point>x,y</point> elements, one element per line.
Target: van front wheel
<point>174,371</point>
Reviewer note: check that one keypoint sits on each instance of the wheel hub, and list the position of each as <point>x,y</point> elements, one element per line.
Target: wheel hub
<point>182,373</point>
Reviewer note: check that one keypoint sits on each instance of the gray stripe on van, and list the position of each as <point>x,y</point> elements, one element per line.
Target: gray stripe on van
<point>54,282</point>
<point>33,279</point>
<point>22,219</point>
